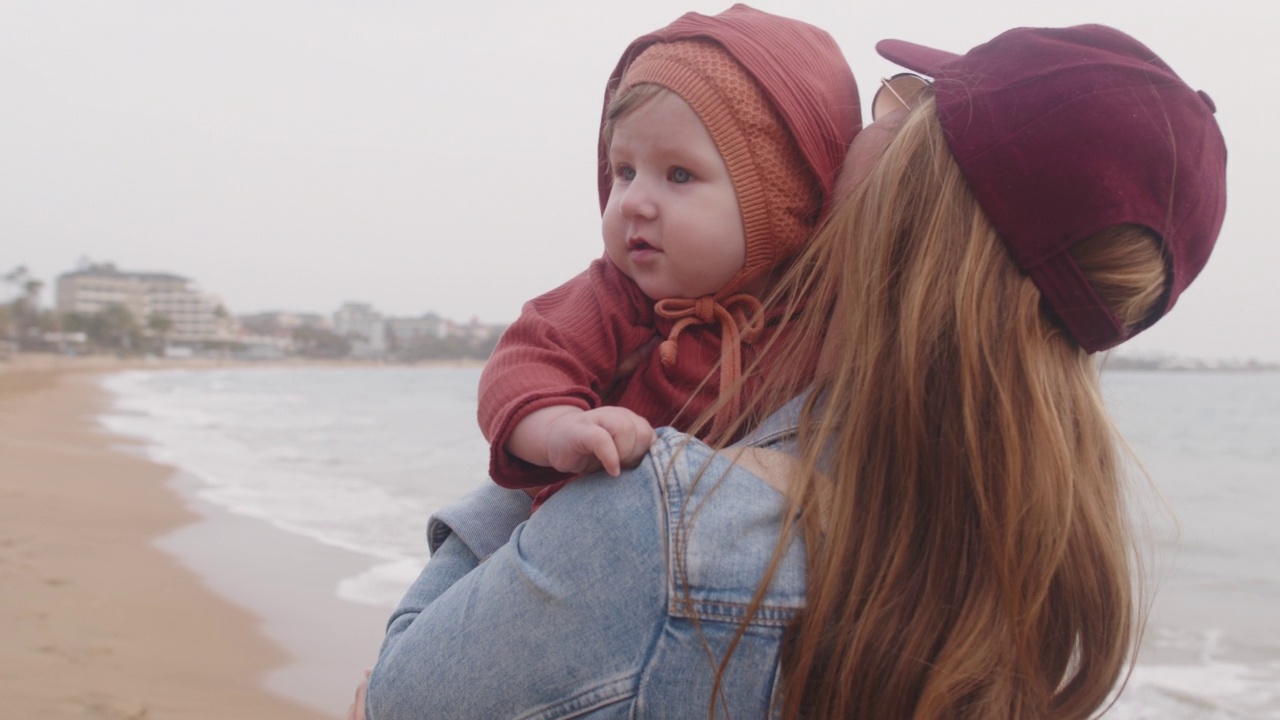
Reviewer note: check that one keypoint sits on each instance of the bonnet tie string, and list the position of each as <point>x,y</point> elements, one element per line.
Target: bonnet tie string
<point>740,321</point>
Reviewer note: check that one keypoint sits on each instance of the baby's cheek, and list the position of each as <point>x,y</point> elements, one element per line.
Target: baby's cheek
<point>615,241</point>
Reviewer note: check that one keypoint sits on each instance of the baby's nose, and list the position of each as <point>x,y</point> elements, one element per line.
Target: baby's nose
<point>638,200</point>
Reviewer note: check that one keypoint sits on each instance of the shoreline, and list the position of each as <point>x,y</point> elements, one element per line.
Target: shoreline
<point>289,585</point>
<point>1191,657</point>
<point>113,603</point>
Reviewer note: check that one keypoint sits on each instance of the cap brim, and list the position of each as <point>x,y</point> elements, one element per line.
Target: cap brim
<point>918,58</point>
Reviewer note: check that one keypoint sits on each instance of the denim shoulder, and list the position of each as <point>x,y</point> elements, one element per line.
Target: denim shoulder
<point>723,527</point>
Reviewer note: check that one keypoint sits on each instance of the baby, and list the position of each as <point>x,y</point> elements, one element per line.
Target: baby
<point>720,143</point>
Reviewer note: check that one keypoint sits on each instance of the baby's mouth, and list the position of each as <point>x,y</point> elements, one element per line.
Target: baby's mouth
<point>638,245</point>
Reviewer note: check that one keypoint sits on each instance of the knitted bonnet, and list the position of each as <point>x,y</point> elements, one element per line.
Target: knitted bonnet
<point>780,103</point>
<point>778,194</point>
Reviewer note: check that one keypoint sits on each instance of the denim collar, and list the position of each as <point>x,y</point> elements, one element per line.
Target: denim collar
<point>779,428</point>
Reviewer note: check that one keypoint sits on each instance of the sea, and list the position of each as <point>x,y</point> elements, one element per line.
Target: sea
<point>357,458</point>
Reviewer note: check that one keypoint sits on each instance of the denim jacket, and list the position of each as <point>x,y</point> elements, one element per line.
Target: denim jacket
<point>617,599</point>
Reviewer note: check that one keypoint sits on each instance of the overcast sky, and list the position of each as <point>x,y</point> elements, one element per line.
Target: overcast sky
<point>428,156</point>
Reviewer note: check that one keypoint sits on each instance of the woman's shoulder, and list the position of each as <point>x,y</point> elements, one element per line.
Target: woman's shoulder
<point>663,564</point>
<point>724,518</point>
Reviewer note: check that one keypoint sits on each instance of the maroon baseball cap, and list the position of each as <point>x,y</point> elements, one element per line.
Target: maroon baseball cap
<point>1064,132</point>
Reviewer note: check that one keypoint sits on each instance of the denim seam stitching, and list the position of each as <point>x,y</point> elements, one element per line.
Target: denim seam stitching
<point>607,692</point>
<point>727,611</point>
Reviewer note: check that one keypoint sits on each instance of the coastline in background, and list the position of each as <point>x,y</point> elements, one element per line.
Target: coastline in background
<point>358,458</point>
<point>348,457</point>
<point>275,447</point>
<point>1208,442</point>
<point>96,622</point>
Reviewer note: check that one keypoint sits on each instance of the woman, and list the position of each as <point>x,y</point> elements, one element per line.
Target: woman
<point>933,527</point>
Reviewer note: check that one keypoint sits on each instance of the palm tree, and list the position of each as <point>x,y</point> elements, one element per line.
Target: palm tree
<point>24,315</point>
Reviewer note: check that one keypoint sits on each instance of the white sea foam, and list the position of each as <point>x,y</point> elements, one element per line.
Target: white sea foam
<point>1213,691</point>
<point>381,585</point>
<point>355,459</point>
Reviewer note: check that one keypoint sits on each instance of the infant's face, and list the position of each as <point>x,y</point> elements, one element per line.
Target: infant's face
<point>672,222</point>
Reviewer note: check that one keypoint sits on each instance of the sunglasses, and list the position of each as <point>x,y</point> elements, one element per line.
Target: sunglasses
<point>896,93</point>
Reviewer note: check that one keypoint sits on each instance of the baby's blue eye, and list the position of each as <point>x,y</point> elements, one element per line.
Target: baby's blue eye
<point>626,173</point>
<point>680,175</point>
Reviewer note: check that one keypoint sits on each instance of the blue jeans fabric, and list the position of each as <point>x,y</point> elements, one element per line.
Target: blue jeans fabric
<point>617,599</point>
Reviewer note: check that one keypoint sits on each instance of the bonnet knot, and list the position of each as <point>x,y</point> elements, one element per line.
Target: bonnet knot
<point>740,320</point>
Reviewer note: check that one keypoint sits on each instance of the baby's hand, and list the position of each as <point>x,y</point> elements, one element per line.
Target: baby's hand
<point>606,437</point>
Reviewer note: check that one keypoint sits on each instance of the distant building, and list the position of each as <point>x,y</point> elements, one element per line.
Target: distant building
<point>193,316</point>
<point>281,322</point>
<point>364,327</point>
<point>264,347</point>
<point>473,330</point>
<point>404,332</point>
<point>270,335</point>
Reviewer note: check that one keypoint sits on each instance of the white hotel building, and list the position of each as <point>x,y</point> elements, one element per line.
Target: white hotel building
<point>194,315</point>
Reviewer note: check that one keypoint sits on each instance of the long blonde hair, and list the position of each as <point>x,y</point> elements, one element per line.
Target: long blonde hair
<point>959,490</point>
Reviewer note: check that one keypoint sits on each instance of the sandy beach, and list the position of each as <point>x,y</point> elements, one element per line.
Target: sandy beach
<point>97,620</point>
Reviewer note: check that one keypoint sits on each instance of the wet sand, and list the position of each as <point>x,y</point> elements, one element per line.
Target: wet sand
<point>99,616</point>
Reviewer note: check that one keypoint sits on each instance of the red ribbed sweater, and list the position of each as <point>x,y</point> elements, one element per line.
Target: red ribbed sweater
<point>565,350</point>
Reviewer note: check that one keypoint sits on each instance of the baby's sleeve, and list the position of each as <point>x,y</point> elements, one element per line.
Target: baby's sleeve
<point>563,350</point>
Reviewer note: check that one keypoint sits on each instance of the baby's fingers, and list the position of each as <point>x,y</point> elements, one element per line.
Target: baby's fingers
<point>634,444</point>
<point>601,446</point>
<point>632,435</point>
